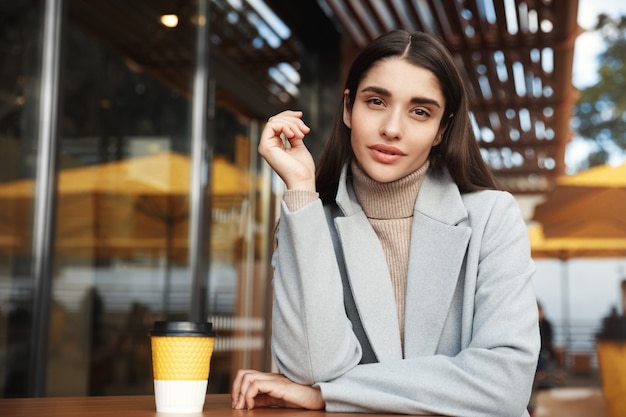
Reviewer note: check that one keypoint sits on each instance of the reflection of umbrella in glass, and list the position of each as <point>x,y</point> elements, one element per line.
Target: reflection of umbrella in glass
<point>129,208</point>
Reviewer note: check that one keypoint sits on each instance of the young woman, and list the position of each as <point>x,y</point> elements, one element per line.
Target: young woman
<point>402,278</point>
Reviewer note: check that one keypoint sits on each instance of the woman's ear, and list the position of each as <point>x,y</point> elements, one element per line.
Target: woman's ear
<point>439,136</point>
<point>442,130</point>
<point>347,116</point>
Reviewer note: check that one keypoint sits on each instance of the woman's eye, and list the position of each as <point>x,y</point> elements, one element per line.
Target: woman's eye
<point>375,101</point>
<point>421,113</point>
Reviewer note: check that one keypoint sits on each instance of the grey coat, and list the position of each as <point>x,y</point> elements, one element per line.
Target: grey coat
<point>471,329</point>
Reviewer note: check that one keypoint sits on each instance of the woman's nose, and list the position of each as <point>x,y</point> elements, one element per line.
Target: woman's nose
<point>391,125</point>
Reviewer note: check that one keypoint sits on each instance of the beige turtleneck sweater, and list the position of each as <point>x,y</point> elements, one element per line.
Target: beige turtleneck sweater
<point>389,209</point>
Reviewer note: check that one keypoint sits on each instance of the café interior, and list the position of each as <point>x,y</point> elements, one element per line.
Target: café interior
<point>130,186</point>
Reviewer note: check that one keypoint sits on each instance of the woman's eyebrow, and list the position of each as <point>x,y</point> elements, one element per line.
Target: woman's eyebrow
<point>414,100</point>
<point>425,101</point>
<point>378,90</point>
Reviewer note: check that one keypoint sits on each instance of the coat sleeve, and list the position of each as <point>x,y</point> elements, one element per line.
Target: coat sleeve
<point>312,337</point>
<point>492,372</point>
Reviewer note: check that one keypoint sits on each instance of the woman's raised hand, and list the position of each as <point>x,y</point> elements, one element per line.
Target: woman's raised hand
<point>290,158</point>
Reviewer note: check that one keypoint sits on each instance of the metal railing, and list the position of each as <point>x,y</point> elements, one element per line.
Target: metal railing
<point>575,342</point>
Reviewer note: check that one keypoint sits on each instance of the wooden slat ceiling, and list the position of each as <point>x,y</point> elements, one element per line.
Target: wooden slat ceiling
<point>516,56</point>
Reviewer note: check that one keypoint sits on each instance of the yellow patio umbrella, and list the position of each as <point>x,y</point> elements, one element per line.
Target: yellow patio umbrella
<point>572,247</point>
<point>583,216</point>
<point>590,204</point>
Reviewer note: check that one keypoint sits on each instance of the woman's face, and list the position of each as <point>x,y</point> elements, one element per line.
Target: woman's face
<point>395,119</point>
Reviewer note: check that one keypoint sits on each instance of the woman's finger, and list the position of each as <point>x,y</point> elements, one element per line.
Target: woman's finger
<point>240,385</point>
<point>250,389</point>
<point>236,389</point>
<point>288,123</point>
<point>241,390</point>
<point>260,391</point>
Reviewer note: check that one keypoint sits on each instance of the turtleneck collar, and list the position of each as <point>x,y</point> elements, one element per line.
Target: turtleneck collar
<point>390,200</point>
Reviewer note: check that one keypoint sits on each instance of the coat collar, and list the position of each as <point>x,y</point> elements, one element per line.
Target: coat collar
<point>439,239</point>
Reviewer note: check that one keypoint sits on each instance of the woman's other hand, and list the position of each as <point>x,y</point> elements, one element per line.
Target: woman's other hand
<point>260,389</point>
<point>291,160</point>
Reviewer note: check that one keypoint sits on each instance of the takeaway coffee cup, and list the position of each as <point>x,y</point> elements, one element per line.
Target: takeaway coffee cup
<point>181,359</point>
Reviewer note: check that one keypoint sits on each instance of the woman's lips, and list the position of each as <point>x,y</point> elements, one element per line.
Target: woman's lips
<point>386,154</point>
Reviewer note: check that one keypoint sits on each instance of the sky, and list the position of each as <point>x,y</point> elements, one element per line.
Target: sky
<point>585,69</point>
<point>589,44</point>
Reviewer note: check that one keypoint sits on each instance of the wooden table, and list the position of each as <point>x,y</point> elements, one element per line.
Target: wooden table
<point>141,406</point>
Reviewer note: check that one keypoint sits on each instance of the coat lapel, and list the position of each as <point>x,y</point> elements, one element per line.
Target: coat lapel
<point>438,245</point>
<point>370,283</point>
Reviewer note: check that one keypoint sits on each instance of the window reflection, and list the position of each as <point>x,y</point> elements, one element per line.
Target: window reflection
<point>122,215</point>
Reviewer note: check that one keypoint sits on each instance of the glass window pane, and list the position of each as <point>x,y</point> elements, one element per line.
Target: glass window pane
<point>121,255</point>
<point>20,49</point>
<point>123,195</point>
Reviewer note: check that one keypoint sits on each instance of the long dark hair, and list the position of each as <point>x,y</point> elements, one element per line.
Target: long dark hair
<point>458,151</point>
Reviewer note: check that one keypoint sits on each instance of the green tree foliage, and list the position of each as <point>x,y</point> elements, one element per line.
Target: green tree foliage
<point>600,113</point>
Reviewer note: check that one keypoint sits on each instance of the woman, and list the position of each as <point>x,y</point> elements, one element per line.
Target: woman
<point>402,278</point>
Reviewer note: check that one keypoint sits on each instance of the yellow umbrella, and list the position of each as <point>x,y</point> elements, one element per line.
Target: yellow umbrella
<point>121,208</point>
<point>571,247</point>
<point>591,203</point>
<point>604,175</point>
<point>584,216</point>
<point>161,173</point>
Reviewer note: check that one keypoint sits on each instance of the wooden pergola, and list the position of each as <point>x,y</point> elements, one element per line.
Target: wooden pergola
<point>517,57</point>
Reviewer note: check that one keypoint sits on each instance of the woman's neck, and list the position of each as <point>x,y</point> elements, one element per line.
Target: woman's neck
<point>390,200</point>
